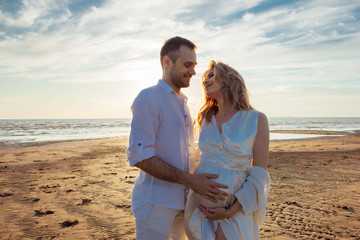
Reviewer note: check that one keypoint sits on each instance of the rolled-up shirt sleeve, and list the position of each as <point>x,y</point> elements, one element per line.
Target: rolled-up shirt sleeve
<point>144,126</point>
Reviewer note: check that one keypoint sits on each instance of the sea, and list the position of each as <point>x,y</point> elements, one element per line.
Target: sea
<point>13,131</point>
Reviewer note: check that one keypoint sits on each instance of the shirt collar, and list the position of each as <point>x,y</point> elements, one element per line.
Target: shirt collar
<point>169,90</point>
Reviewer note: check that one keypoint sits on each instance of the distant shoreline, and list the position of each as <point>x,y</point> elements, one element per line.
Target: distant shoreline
<point>35,132</point>
<point>326,134</point>
<point>43,143</point>
<point>321,132</point>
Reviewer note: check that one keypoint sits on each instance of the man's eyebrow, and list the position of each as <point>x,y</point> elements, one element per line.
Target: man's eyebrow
<point>195,63</point>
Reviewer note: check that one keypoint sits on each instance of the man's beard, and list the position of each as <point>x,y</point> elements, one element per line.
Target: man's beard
<point>179,82</point>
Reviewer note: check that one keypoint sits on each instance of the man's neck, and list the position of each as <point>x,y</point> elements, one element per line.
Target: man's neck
<point>175,88</point>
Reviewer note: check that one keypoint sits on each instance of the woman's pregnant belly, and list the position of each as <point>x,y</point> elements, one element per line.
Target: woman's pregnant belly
<point>232,178</point>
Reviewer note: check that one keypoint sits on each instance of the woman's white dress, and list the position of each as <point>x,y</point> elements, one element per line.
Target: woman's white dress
<point>229,154</point>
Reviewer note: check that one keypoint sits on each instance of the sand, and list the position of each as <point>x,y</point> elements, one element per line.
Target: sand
<point>82,190</point>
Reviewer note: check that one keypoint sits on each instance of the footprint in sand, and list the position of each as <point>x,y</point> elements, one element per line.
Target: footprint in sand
<point>126,177</point>
<point>122,206</point>
<point>68,223</point>
<point>350,209</point>
<point>298,221</point>
<point>65,178</point>
<point>40,213</point>
<point>48,189</point>
<point>6,194</point>
<point>85,201</point>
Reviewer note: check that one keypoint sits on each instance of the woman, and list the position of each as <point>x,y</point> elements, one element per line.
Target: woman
<point>233,143</point>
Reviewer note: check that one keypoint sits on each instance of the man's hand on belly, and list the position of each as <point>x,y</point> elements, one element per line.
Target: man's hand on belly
<point>202,185</point>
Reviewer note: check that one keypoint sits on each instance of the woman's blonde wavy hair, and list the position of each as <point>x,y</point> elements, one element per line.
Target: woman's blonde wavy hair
<point>233,88</point>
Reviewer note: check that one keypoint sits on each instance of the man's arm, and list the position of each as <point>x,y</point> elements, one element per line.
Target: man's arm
<point>199,183</point>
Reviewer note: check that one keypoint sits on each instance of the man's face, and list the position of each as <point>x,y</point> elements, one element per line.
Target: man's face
<point>184,67</point>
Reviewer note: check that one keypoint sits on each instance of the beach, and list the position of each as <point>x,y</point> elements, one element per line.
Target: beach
<point>81,189</point>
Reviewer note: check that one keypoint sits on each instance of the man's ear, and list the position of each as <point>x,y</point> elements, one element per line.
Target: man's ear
<point>166,61</point>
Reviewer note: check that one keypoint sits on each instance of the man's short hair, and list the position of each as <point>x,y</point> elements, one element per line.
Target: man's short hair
<point>171,46</point>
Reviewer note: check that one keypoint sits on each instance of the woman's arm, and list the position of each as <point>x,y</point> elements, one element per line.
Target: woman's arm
<point>260,159</point>
<point>261,144</point>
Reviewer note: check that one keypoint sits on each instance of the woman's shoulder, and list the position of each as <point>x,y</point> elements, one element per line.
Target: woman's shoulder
<point>257,116</point>
<point>262,120</point>
<point>254,113</point>
<point>261,116</point>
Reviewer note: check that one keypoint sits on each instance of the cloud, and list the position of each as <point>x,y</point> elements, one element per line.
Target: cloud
<point>105,37</point>
<point>311,23</point>
<point>34,15</point>
<point>295,44</point>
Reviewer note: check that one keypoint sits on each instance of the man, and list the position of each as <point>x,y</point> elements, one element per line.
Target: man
<point>161,145</point>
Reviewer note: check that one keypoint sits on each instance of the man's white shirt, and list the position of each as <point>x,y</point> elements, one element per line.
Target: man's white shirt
<point>161,126</point>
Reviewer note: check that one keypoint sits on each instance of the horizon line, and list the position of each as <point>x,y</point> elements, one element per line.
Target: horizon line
<point>97,118</point>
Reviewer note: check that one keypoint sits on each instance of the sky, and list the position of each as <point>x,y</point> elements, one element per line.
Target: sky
<point>90,58</point>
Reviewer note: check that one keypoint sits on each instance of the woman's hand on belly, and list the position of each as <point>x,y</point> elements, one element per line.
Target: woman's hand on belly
<point>214,213</point>
<point>218,213</point>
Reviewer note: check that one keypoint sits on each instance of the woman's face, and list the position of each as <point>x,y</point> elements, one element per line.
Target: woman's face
<point>212,85</point>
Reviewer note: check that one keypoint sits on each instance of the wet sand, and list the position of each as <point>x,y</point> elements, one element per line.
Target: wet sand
<point>82,190</point>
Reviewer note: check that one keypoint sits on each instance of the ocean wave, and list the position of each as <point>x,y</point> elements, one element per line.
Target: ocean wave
<point>37,130</point>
